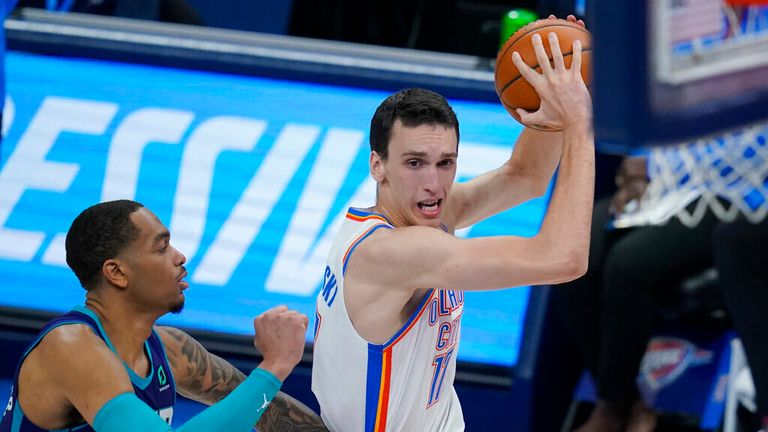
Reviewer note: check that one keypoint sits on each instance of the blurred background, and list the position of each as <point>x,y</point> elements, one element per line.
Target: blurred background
<point>243,125</point>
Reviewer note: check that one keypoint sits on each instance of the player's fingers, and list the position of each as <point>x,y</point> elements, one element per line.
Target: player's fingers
<point>552,17</point>
<point>573,19</point>
<point>533,120</point>
<point>557,54</point>
<point>298,315</point>
<point>526,118</point>
<point>541,54</point>
<point>576,58</point>
<point>529,74</point>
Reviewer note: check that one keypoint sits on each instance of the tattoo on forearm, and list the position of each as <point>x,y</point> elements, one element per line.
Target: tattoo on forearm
<point>207,378</point>
<point>287,414</point>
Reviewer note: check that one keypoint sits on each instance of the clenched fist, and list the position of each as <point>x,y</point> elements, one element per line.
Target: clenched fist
<point>280,338</point>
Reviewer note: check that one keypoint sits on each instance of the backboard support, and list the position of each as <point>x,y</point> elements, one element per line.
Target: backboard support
<point>671,71</point>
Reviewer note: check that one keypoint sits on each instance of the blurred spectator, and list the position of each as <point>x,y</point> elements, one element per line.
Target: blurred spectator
<point>610,311</point>
<point>175,11</point>
<point>741,259</point>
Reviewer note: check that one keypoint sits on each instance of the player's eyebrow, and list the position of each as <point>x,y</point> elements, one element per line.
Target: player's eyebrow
<point>165,235</point>
<point>424,154</point>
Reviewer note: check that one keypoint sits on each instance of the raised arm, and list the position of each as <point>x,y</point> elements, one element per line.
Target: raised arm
<point>207,378</point>
<point>524,176</point>
<point>426,257</point>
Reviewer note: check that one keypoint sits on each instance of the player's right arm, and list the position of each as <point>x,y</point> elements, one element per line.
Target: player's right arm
<point>81,372</point>
<point>407,259</point>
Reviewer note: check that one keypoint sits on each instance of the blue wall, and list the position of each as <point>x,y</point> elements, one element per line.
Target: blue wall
<point>265,16</point>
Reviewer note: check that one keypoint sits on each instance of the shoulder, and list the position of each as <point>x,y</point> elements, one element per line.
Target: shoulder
<point>173,338</point>
<point>388,242</point>
<point>70,338</point>
<point>66,358</point>
<point>408,249</point>
<point>170,334</point>
<point>70,348</point>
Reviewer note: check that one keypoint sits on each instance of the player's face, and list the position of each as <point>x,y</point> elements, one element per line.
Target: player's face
<point>157,268</point>
<point>416,178</point>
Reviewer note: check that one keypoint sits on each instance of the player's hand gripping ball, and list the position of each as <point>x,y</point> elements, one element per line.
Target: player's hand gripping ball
<point>513,90</point>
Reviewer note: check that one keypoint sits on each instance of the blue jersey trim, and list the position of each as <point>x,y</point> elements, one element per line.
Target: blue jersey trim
<point>413,316</point>
<point>165,353</point>
<point>140,382</point>
<point>373,385</point>
<point>357,243</point>
<point>18,415</point>
<point>362,213</point>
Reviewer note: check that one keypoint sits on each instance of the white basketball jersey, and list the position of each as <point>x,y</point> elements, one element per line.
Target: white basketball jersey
<point>405,384</point>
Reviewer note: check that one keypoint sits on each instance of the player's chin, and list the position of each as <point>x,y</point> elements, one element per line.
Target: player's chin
<point>178,306</point>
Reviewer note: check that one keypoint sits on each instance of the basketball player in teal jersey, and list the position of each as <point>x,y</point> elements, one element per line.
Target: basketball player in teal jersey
<point>107,367</point>
<point>389,314</point>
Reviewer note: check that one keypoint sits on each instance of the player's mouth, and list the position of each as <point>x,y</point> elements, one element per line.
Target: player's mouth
<point>180,282</point>
<point>430,208</point>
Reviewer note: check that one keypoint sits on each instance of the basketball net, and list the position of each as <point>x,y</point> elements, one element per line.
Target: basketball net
<point>727,175</point>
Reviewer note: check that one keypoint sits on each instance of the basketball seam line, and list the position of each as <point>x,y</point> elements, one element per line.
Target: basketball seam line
<point>555,24</point>
<point>536,68</point>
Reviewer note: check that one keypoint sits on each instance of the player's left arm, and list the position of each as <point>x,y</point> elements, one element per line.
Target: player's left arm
<point>207,378</point>
<point>524,176</point>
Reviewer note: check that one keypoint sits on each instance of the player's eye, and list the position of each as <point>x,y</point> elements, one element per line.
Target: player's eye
<point>414,163</point>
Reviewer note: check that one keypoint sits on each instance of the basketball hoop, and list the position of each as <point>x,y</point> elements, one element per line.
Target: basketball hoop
<point>727,174</point>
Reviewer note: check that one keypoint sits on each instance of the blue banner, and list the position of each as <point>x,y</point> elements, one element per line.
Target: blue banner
<point>252,176</point>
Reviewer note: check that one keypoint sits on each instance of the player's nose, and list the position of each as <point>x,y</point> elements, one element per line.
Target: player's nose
<point>180,258</point>
<point>431,180</point>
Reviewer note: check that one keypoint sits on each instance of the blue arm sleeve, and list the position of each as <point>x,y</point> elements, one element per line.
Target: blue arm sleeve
<point>239,411</point>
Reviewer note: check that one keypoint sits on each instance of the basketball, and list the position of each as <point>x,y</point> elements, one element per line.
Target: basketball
<point>513,90</point>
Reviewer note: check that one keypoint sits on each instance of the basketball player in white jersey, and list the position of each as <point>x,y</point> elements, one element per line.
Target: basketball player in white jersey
<point>389,312</point>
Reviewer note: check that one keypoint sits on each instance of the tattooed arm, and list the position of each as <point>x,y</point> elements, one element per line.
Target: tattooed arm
<point>207,378</point>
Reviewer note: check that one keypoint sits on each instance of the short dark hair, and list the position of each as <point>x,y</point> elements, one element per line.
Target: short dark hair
<point>413,107</point>
<point>99,233</point>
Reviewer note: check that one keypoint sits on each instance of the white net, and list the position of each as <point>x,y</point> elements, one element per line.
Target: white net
<point>727,175</point>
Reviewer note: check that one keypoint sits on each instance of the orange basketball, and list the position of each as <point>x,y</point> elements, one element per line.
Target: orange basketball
<point>513,90</point>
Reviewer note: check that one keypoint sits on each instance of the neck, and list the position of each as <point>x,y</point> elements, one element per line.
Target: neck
<point>127,329</point>
<point>393,217</point>
<point>383,207</point>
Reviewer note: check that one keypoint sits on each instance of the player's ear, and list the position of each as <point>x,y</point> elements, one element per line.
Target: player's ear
<point>113,272</point>
<point>377,167</point>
